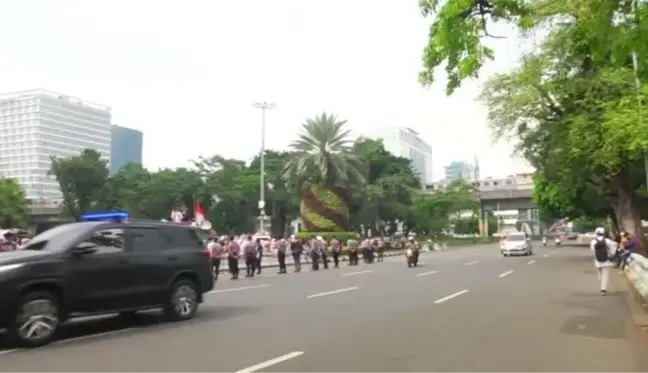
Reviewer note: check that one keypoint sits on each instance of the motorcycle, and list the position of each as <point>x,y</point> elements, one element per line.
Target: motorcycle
<point>411,258</point>
<point>557,241</point>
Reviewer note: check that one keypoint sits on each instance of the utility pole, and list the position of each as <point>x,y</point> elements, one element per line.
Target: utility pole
<point>263,106</point>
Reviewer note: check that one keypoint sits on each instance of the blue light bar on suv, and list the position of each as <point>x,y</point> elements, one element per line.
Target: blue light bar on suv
<point>104,216</point>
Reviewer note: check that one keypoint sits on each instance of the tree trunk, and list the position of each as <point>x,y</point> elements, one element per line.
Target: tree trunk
<point>627,212</point>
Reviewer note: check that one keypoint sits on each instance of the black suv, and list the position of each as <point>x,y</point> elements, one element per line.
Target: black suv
<point>92,268</point>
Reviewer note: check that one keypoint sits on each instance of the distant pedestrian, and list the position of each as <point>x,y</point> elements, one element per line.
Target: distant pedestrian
<point>259,255</point>
<point>233,254</point>
<point>249,248</point>
<point>281,246</point>
<point>336,247</point>
<point>603,249</point>
<point>216,250</point>
<point>297,248</point>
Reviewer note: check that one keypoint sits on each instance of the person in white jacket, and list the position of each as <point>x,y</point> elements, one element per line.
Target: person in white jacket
<point>603,249</point>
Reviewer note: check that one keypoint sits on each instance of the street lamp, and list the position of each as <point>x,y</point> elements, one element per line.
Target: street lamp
<point>263,106</point>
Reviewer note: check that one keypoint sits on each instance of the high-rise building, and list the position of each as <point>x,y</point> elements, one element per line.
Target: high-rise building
<point>126,147</point>
<point>37,124</point>
<point>407,143</point>
<point>458,170</point>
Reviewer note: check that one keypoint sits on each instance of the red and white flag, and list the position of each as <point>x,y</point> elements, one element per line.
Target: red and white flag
<point>199,213</point>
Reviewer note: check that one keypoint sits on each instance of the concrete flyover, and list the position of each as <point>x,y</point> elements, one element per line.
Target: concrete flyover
<point>506,199</point>
<point>465,309</point>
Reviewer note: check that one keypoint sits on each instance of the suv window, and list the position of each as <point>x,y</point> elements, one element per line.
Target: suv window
<point>146,239</point>
<point>107,240</point>
<point>182,236</point>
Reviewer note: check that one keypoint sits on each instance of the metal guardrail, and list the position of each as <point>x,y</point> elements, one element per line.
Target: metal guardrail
<point>637,272</point>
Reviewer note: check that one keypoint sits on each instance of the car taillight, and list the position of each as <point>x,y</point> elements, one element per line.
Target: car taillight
<point>208,253</point>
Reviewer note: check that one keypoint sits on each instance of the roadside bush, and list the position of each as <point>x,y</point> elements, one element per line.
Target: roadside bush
<point>328,236</point>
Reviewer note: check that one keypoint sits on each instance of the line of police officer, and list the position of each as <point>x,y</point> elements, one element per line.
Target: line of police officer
<point>316,249</point>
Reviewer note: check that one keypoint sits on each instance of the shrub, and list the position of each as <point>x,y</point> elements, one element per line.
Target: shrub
<point>340,236</point>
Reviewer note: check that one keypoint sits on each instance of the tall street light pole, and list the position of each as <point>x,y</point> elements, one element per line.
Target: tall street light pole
<point>263,106</point>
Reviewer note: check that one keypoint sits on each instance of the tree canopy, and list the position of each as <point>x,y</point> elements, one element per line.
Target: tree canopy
<point>382,189</point>
<point>573,103</point>
<point>13,204</point>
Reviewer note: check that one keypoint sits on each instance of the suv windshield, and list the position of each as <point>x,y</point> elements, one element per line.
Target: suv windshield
<point>515,238</point>
<point>64,231</point>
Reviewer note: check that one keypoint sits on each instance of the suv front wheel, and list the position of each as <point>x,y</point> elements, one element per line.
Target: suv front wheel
<point>182,302</point>
<point>36,320</point>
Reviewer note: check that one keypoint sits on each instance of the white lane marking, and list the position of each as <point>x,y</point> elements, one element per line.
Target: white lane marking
<point>89,336</point>
<point>423,263</point>
<point>546,255</point>
<point>531,261</point>
<point>332,292</point>
<point>271,362</point>
<point>441,300</point>
<point>356,273</point>
<point>8,351</point>
<point>472,263</point>
<point>505,274</point>
<point>426,273</point>
<point>239,289</point>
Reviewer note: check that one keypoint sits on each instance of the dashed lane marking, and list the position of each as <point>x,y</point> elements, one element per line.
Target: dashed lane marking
<point>426,273</point>
<point>260,286</point>
<point>472,263</point>
<point>504,274</point>
<point>531,261</point>
<point>332,292</point>
<point>356,273</point>
<point>451,296</point>
<point>271,362</point>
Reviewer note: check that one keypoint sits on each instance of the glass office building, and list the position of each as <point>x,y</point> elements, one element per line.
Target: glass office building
<point>407,143</point>
<point>37,124</point>
<point>126,147</point>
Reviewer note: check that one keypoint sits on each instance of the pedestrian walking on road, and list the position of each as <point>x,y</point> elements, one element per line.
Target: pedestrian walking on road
<point>324,251</point>
<point>604,250</point>
<point>259,256</point>
<point>380,249</point>
<point>316,252</point>
<point>335,252</point>
<point>250,253</point>
<point>233,254</point>
<point>281,247</point>
<point>352,247</point>
<point>216,250</point>
<point>296,249</point>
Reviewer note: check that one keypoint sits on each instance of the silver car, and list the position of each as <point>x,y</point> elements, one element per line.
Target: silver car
<point>516,244</point>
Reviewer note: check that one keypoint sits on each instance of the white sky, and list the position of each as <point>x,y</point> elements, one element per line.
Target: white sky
<point>186,72</point>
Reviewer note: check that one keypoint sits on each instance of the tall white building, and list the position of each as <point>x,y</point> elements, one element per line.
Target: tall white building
<point>407,143</point>
<point>37,124</point>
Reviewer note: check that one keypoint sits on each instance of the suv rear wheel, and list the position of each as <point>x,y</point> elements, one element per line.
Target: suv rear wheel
<point>36,320</point>
<point>182,302</point>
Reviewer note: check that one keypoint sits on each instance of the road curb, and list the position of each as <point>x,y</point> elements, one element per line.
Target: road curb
<point>636,303</point>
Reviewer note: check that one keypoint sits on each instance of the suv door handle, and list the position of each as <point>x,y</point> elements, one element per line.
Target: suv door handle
<point>172,258</point>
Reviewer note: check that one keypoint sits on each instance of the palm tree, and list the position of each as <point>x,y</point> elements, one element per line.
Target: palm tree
<point>323,168</point>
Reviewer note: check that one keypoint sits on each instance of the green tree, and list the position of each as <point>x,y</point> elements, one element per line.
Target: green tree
<point>14,207</point>
<point>323,168</point>
<point>433,213</point>
<point>577,120</point>
<point>82,180</point>
<point>459,30</point>
<point>387,194</point>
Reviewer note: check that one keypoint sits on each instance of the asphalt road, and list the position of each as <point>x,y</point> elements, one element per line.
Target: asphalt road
<point>465,309</point>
